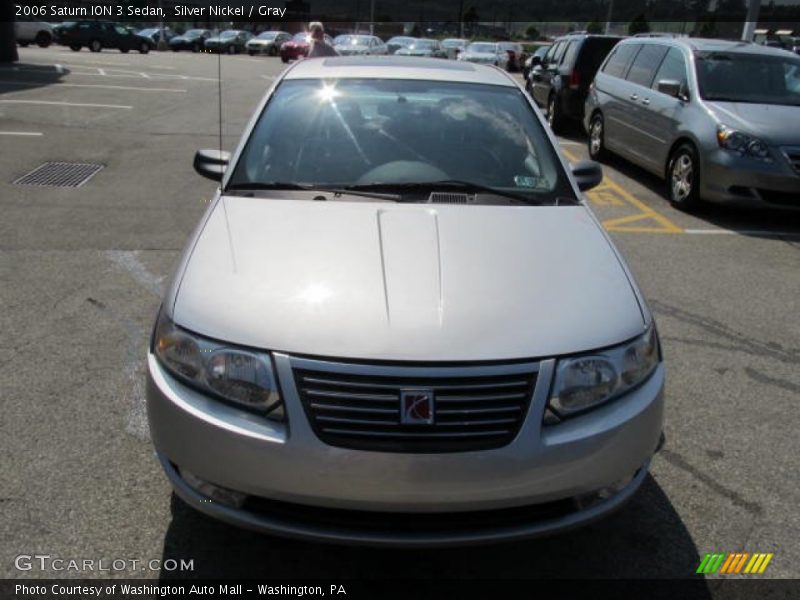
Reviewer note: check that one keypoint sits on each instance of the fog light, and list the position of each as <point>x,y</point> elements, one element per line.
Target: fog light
<point>215,492</point>
<point>596,497</point>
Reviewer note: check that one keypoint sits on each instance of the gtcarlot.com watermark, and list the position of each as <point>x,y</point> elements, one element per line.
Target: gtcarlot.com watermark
<point>47,562</point>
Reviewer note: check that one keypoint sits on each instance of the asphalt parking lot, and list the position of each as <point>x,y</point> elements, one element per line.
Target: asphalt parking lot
<point>81,271</point>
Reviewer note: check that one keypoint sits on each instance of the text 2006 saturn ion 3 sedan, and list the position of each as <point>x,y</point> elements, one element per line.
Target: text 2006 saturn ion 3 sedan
<point>398,323</point>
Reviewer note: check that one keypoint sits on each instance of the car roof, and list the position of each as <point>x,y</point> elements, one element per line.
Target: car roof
<point>708,45</point>
<point>397,67</point>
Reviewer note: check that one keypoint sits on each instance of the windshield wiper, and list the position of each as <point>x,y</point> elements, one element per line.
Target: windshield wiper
<point>285,185</point>
<point>445,184</point>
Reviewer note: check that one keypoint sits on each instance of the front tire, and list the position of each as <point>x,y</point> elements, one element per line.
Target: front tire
<point>75,47</point>
<point>273,50</point>
<point>597,141</point>
<point>231,49</point>
<point>43,39</point>
<point>683,178</point>
<point>144,48</point>
<point>95,46</point>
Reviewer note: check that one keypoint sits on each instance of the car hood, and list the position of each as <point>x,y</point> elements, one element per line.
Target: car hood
<point>773,123</point>
<point>406,282</point>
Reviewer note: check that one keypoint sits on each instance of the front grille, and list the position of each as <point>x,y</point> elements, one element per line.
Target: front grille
<point>792,154</point>
<point>358,406</point>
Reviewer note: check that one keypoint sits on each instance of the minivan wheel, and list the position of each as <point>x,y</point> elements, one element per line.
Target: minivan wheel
<point>597,147</point>
<point>683,178</point>
<point>554,118</point>
<point>95,46</point>
<point>43,39</point>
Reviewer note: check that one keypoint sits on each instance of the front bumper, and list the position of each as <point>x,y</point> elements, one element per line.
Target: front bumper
<point>541,468</point>
<point>726,177</point>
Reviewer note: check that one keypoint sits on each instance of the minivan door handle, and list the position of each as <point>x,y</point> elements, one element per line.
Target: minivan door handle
<point>634,96</point>
<point>646,101</point>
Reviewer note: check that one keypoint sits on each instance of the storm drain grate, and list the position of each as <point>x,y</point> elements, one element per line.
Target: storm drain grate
<point>60,174</point>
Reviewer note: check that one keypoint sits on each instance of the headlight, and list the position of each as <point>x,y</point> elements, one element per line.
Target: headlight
<point>742,143</point>
<point>584,382</point>
<point>236,375</point>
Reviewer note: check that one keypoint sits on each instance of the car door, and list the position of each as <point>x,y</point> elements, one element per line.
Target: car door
<point>664,114</point>
<point>542,74</point>
<point>641,137</point>
<point>612,92</point>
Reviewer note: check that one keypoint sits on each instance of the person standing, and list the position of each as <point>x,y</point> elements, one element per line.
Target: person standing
<point>319,47</point>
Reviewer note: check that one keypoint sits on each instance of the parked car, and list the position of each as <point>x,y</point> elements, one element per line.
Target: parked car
<point>154,33</point>
<point>268,42</point>
<point>516,55</point>
<point>561,82</point>
<point>718,120</point>
<point>487,53</point>
<point>424,367</point>
<point>399,41</point>
<point>298,46</point>
<point>193,40</point>
<point>33,32</point>
<point>454,46</point>
<point>423,47</point>
<point>97,35</point>
<point>231,41</point>
<point>533,60</point>
<point>354,44</point>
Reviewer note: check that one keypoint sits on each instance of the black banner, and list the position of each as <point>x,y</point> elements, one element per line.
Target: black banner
<point>484,589</point>
<point>498,12</point>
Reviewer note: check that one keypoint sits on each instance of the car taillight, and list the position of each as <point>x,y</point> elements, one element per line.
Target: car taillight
<point>574,80</point>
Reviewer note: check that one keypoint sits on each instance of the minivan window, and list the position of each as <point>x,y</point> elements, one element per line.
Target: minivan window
<point>593,52</point>
<point>746,77</point>
<point>620,59</point>
<point>353,131</point>
<point>672,68</point>
<point>559,54</point>
<point>645,64</point>
<point>551,52</point>
<point>569,55</point>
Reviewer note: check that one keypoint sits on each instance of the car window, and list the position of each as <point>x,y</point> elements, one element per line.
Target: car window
<point>548,58</point>
<point>366,131</point>
<point>120,30</point>
<point>620,59</point>
<point>645,64</point>
<point>592,53</point>
<point>569,55</point>
<point>673,67</point>
<point>559,53</point>
<point>748,77</point>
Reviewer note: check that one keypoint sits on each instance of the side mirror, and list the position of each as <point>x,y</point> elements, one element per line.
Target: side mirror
<point>536,60</point>
<point>587,174</point>
<point>671,87</point>
<point>211,163</point>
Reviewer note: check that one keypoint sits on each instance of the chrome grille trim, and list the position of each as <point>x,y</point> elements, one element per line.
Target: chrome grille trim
<point>357,406</point>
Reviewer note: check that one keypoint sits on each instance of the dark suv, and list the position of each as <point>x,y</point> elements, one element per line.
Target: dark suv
<point>97,35</point>
<point>561,81</point>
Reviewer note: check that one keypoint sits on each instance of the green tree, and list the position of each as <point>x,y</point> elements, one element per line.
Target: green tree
<point>638,25</point>
<point>594,27</point>
<point>532,33</point>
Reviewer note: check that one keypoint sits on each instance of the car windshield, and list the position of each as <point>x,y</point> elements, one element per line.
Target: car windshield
<point>481,47</point>
<point>194,33</point>
<point>267,35</point>
<point>147,31</point>
<point>749,77</point>
<point>352,40</point>
<point>422,45</point>
<point>228,34</point>
<point>389,132</point>
<point>301,37</point>
<point>403,41</point>
<point>452,43</point>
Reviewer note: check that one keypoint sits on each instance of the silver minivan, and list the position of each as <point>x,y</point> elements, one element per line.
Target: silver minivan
<point>719,120</point>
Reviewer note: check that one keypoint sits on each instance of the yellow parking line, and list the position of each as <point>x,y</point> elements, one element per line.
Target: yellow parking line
<point>645,212</point>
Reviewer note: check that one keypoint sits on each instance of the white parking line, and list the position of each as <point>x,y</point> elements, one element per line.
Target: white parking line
<point>764,233</point>
<point>101,86</point>
<point>58,103</point>
<point>23,133</point>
